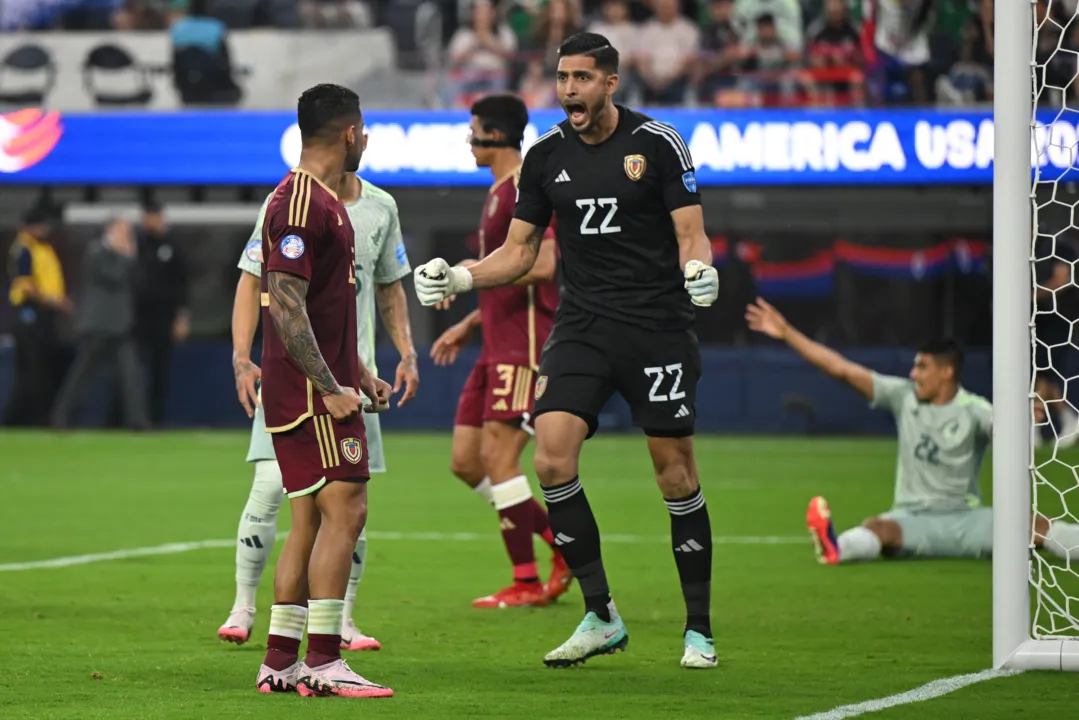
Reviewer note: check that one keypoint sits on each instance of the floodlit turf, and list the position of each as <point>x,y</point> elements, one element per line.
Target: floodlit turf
<point>136,638</point>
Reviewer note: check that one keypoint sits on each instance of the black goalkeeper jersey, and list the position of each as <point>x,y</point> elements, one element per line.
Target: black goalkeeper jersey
<point>618,250</point>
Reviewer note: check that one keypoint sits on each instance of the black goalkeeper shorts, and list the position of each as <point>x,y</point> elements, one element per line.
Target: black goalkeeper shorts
<point>588,358</point>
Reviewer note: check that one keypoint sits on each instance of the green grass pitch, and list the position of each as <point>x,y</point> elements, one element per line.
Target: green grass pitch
<point>136,638</point>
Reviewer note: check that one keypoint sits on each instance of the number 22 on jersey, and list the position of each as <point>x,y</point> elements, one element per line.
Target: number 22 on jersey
<point>589,205</point>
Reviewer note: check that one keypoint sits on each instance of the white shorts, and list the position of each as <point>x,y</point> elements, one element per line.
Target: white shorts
<point>957,533</point>
<point>261,445</point>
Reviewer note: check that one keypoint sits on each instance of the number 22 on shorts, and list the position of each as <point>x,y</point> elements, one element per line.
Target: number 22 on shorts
<point>659,374</point>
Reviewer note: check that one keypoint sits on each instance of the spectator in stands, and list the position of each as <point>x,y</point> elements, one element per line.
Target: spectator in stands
<point>900,32</point>
<point>200,55</point>
<point>717,75</point>
<point>39,297</point>
<point>161,316</point>
<point>104,322</point>
<point>667,52</point>
<point>970,79</point>
<point>556,21</point>
<point>140,15</point>
<point>835,59</point>
<point>480,56</point>
<point>786,17</point>
<point>772,62</point>
<point>616,26</point>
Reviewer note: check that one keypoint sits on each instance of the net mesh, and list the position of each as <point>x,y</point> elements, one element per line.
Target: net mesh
<point>1055,344</point>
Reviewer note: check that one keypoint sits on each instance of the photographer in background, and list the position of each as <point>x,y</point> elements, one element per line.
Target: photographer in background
<point>39,297</point>
<point>104,322</point>
<point>161,316</point>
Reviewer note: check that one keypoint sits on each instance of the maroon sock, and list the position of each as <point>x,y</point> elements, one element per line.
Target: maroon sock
<point>540,524</point>
<point>322,649</point>
<point>517,523</point>
<point>281,651</point>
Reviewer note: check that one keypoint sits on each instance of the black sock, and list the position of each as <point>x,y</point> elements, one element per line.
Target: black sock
<point>691,537</point>
<point>577,538</point>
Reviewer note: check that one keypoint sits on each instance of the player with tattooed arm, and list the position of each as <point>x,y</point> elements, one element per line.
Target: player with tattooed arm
<point>380,264</point>
<point>311,379</point>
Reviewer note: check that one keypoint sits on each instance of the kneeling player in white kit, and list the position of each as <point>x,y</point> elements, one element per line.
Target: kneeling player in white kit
<point>381,262</point>
<point>944,432</point>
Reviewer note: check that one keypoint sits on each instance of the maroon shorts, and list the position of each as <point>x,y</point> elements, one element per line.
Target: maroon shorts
<point>496,391</point>
<point>319,450</point>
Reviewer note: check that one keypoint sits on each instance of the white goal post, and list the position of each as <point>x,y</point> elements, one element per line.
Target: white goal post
<point>1020,641</point>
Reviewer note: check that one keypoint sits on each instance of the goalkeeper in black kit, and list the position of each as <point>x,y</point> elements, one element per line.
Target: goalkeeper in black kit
<point>634,261</point>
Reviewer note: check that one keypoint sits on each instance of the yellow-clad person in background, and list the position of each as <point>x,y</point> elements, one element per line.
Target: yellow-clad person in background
<point>38,296</point>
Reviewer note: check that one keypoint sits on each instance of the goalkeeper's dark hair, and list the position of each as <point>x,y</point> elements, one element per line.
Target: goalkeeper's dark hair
<point>594,46</point>
<point>325,109</point>
<point>503,112</point>
<point>946,351</point>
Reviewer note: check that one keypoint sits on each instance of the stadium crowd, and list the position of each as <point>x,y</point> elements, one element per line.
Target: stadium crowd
<point>727,53</point>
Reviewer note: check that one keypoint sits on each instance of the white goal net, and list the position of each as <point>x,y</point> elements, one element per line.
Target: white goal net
<point>1055,310</point>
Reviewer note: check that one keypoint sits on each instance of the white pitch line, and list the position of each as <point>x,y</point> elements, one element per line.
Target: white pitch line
<point>182,547</point>
<point>931,690</point>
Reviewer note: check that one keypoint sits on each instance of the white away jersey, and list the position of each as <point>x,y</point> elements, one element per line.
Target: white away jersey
<point>380,257</point>
<point>941,447</point>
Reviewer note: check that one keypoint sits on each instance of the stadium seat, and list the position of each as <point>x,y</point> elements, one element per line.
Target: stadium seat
<point>204,78</point>
<point>112,77</point>
<point>27,75</point>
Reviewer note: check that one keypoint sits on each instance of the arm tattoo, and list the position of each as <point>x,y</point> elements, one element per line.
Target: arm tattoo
<point>393,309</point>
<point>288,309</point>
<point>535,239</point>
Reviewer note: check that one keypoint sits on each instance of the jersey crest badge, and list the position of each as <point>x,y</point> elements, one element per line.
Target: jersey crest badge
<point>541,386</point>
<point>951,431</point>
<point>352,450</point>
<point>292,247</point>
<point>690,181</point>
<point>492,206</point>
<point>634,165</point>
<point>253,251</point>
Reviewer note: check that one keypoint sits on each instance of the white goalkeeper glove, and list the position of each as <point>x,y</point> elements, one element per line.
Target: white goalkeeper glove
<point>702,283</point>
<point>436,280</point>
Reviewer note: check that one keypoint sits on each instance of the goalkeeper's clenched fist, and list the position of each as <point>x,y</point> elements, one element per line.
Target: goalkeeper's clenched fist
<point>436,280</point>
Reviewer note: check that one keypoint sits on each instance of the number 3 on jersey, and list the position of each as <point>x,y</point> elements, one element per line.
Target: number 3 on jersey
<point>658,374</point>
<point>589,206</point>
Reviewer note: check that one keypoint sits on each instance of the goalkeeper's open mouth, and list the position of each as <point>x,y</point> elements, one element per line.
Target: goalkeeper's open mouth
<point>577,112</point>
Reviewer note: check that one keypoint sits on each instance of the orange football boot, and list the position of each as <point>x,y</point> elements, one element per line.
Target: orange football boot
<point>518,594</point>
<point>561,577</point>
<point>819,523</point>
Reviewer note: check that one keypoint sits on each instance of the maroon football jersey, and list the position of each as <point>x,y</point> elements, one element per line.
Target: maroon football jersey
<point>306,232</point>
<point>516,320</point>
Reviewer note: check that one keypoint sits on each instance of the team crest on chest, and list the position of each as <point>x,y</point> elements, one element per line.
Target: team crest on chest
<point>541,386</point>
<point>492,206</point>
<point>634,166</point>
<point>352,449</point>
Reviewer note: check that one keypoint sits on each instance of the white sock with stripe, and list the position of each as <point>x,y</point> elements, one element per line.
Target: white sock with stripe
<point>325,616</point>
<point>288,621</point>
<point>256,531</point>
